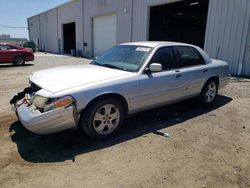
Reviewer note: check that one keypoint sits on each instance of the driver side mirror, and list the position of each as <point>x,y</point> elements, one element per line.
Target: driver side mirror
<point>155,67</point>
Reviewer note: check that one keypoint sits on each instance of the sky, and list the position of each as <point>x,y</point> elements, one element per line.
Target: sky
<point>15,13</point>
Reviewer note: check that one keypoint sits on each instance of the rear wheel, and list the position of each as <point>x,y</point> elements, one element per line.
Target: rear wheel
<point>19,61</point>
<point>209,92</point>
<point>103,118</point>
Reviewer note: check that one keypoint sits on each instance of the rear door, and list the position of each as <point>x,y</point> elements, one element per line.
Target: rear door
<point>163,87</point>
<point>192,70</point>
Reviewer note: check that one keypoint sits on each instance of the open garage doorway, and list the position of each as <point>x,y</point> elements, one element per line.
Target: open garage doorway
<point>182,21</point>
<point>69,37</point>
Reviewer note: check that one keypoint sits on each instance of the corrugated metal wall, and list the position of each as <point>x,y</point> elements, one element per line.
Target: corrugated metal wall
<point>48,31</point>
<point>72,12</point>
<point>226,34</point>
<point>141,16</point>
<point>94,8</point>
<point>47,26</point>
<point>246,62</point>
<point>34,29</point>
<point>227,28</point>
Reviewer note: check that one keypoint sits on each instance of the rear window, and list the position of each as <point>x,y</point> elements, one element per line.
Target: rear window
<point>189,56</point>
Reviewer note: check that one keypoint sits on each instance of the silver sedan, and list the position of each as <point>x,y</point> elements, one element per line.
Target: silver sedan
<point>126,79</point>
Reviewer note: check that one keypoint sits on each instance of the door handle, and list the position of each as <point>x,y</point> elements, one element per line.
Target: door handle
<point>178,75</point>
<point>204,71</point>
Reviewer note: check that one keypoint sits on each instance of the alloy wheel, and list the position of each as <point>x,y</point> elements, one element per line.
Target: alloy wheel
<point>19,61</point>
<point>106,119</point>
<point>211,92</point>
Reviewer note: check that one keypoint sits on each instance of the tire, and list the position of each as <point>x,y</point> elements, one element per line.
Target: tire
<point>103,118</point>
<point>19,60</point>
<point>209,92</point>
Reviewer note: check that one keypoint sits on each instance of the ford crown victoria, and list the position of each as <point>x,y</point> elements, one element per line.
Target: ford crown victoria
<point>126,79</point>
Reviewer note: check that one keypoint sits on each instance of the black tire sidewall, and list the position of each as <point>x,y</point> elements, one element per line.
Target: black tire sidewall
<point>16,64</point>
<point>88,116</point>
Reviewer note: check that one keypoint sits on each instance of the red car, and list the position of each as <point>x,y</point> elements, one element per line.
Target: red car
<point>10,53</point>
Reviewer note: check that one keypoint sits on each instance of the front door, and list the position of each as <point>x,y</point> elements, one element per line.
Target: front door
<point>163,87</point>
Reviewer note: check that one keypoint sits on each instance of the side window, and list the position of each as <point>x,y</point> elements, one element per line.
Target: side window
<point>189,56</point>
<point>11,47</point>
<point>3,47</point>
<point>198,57</point>
<point>166,57</point>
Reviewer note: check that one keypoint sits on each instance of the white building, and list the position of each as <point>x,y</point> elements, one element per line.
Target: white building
<point>4,36</point>
<point>221,27</point>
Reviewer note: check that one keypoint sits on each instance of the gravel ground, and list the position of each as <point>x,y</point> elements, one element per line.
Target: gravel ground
<point>207,147</point>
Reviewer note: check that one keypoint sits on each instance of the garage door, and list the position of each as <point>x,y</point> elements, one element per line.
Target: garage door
<point>104,28</point>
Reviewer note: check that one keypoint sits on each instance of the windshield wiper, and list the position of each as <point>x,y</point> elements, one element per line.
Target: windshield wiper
<point>107,65</point>
<point>111,66</point>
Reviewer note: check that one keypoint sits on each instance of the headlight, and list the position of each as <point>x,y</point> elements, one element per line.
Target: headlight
<point>39,101</point>
<point>62,102</point>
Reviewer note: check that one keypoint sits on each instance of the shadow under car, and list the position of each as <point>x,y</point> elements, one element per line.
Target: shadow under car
<point>9,65</point>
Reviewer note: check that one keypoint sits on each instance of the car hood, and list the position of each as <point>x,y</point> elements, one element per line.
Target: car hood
<point>66,77</point>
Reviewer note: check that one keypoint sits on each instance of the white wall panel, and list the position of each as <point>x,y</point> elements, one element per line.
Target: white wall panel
<point>34,29</point>
<point>94,8</point>
<point>48,29</point>
<point>226,31</point>
<point>104,33</point>
<point>226,34</point>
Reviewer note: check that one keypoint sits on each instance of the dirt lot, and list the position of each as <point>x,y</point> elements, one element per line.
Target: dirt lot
<point>208,147</point>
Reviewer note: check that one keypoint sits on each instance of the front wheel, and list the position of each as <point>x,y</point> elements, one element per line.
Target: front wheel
<point>209,92</point>
<point>103,118</point>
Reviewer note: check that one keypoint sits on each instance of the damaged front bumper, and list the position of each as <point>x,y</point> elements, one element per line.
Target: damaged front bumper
<point>42,122</point>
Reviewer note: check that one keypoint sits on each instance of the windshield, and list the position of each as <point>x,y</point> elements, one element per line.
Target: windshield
<point>124,57</point>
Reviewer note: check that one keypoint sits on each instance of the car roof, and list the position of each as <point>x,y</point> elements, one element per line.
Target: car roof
<point>154,44</point>
<point>159,44</point>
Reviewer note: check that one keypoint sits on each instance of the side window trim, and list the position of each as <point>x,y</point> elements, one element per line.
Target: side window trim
<point>177,56</point>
